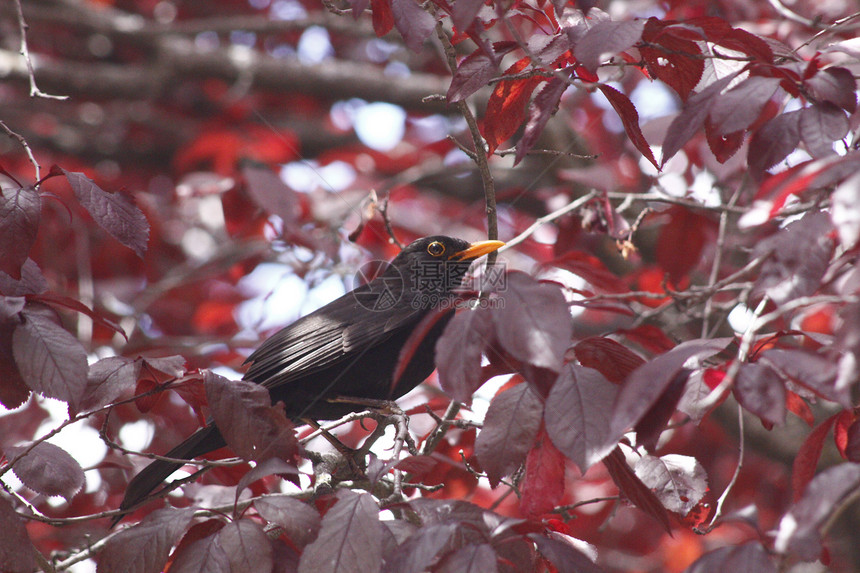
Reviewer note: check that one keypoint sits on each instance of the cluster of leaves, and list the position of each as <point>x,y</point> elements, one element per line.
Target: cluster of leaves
<point>605,423</point>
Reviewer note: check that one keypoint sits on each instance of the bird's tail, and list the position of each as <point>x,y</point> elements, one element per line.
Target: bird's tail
<point>200,442</point>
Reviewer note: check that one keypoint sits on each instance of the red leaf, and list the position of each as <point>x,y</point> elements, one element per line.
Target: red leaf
<point>723,147</point>
<point>510,426</point>
<point>58,300</point>
<point>592,270</point>
<point>806,460</point>
<point>798,406</point>
<point>577,415</point>
<point>634,490</point>
<point>615,361</point>
<point>350,538</point>
<point>20,211</point>
<point>114,212</point>
<point>506,108</point>
<point>383,19</point>
<point>672,59</point>
<point>681,241</point>
<point>630,119</point>
<point>542,486</point>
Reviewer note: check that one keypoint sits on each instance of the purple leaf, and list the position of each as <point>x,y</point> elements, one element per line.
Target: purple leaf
<point>271,193</point>
<point>821,125</point>
<point>472,558</point>
<point>246,546</point>
<point>16,550</point>
<point>747,557</point>
<point>20,210</point>
<point>31,282</point>
<point>646,384</point>
<point>845,211</point>
<point>773,141</point>
<point>299,520</point>
<point>692,117</point>
<point>108,379</point>
<point>807,369</point>
<point>201,556</point>
<point>13,389</point>
<point>114,212</point>
<point>740,106</point>
<point>50,359</point>
<point>650,426</point>
<point>473,73</point>
<point>534,323</point>
<point>761,391</point>
<point>144,547</point>
<point>543,106</point>
<point>633,489</point>
<point>605,39</point>
<point>563,555</point>
<point>350,539</point>
<point>464,12</point>
<point>417,553</point>
<point>578,412</point>
<point>459,351</point>
<point>834,85</point>
<point>413,23</point>
<point>799,254</point>
<point>510,426</point>
<point>679,482</point>
<point>267,467</point>
<point>800,529</point>
<point>250,425</point>
<point>48,469</point>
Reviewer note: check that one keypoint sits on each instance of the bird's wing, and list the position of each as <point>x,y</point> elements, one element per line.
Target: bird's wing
<point>323,338</point>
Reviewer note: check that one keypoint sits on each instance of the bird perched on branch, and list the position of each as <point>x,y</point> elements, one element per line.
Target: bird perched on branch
<point>349,348</point>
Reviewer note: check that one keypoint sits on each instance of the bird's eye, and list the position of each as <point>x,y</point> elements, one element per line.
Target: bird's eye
<point>436,249</point>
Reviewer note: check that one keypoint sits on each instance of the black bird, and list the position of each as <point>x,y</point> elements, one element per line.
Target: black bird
<point>347,348</point>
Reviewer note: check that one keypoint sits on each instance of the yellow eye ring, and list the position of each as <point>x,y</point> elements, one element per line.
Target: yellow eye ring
<point>436,249</point>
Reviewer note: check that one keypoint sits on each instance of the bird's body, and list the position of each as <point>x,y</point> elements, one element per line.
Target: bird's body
<point>349,348</point>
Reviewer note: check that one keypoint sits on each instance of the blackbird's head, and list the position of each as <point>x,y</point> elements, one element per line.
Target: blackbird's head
<point>436,265</point>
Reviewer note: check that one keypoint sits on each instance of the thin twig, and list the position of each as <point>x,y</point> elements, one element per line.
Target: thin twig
<point>25,52</point>
<point>722,500</point>
<point>573,205</point>
<point>23,143</point>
